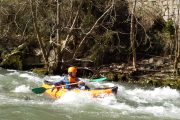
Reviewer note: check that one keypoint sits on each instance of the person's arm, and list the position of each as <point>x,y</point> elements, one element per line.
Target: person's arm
<point>59,82</point>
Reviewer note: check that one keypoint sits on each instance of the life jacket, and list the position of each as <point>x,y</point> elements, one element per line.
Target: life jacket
<point>70,80</point>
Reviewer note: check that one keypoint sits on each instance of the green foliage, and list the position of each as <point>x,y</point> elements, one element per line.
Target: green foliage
<point>169,27</point>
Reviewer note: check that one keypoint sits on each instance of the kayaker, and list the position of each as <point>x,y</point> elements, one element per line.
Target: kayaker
<point>71,78</point>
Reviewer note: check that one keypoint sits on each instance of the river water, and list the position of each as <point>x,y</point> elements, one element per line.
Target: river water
<point>17,102</point>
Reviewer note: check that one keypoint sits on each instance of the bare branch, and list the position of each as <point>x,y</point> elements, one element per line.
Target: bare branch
<point>72,26</point>
<point>109,9</point>
<point>44,53</point>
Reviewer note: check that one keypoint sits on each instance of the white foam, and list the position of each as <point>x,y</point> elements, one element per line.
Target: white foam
<point>107,99</point>
<point>30,77</point>
<point>84,98</point>
<point>56,77</point>
<point>26,75</point>
<point>108,84</point>
<point>13,72</point>
<point>100,84</point>
<point>11,100</point>
<point>169,110</point>
<point>174,110</point>
<point>1,75</point>
<point>151,96</point>
<point>72,97</point>
<point>161,111</point>
<point>3,99</point>
<point>160,102</point>
<point>53,78</point>
<point>22,89</point>
<point>122,106</point>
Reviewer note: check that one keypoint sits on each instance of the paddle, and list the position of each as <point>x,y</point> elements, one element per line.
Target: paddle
<point>42,89</point>
<point>92,80</point>
<point>98,79</point>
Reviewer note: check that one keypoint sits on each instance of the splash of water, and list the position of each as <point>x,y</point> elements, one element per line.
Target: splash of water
<point>22,89</point>
<point>83,98</point>
<point>72,97</point>
<point>151,96</point>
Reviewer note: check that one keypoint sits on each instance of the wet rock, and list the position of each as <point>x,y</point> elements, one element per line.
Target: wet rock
<point>115,78</point>
<point>151,60</point>
<point>124,78</point>
<point>159,62</point>
<point>21,58</point>
<point>41,71</point>
<point>14,58</point>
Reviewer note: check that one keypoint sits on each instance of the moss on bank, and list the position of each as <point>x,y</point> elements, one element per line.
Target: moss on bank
<point>173,83</point>
<point>41,71</point>
<point>12,61</point>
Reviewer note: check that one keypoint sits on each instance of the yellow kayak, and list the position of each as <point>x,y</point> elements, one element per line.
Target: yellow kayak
<point>95,92</point>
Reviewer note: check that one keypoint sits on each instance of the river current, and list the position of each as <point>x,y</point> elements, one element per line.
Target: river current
<point>17,102</point>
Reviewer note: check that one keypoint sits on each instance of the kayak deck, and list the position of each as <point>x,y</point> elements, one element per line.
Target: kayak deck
<point>94,92</point>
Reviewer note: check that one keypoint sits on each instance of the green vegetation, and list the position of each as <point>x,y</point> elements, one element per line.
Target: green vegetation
<point>12,62</point>
<point>41,71</point>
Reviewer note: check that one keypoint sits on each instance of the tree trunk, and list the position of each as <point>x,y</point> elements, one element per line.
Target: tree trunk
<point>132,35</point>
<point>45,57</point>
<point>58,57</point>
<point>61,46</point>
<point>177,49</point>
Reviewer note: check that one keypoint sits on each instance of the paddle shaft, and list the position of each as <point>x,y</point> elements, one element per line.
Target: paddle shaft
<point>64,85</point>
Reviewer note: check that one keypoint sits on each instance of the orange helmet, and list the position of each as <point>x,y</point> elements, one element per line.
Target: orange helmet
<point>72,70</point>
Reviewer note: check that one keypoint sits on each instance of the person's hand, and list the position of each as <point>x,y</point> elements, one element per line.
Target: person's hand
<point>57,87</point>
<point>53,87</point>
<point>81,83</point>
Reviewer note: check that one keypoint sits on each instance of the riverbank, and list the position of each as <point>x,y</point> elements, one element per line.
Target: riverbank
<point>156,71</point>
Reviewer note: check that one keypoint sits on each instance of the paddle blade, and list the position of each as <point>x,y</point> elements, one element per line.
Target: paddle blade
<point>39,90</point>
<point>98,79</point>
